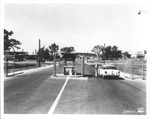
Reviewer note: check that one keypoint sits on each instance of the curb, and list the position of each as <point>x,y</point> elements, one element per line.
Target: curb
<point>13,74</point>
<point>22,71</point>
<point>128,76</point>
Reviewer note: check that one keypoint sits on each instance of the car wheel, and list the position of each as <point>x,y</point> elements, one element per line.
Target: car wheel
<point>103,76</point>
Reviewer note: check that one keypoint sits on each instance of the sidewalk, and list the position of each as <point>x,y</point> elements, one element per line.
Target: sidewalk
<point>25,71</point>
<point>128,76</point>
<point>136,81</point>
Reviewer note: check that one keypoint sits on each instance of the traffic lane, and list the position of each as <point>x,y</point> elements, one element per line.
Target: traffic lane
<point>98,96</point>
<point>139,84</point>
<point>132,97</point>
<point>31,92</point>
<point>25,80</point>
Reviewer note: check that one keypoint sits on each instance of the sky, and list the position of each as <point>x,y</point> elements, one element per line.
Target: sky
<point>81,25</point>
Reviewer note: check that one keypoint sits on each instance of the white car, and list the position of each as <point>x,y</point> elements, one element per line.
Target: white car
<point>108,71</point>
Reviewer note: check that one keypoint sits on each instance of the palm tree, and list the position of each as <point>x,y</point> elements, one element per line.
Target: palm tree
<point>10,43</point>
<point>67,49</point>
<point>54,50</point>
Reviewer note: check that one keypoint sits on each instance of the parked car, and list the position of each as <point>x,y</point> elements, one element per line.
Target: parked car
<point>108,71</point>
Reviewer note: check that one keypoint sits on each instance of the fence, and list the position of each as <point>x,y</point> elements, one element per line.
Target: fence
<point>136,68</point>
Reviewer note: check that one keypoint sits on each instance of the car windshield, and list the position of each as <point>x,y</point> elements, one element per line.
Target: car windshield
<point>109,67</point>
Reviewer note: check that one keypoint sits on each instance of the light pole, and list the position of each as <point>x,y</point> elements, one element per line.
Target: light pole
<point>104,53</point>
<point>39,53</point>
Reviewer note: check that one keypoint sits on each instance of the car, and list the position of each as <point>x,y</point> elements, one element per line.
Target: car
<point>108,71</point>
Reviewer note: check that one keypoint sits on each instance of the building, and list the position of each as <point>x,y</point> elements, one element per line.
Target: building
<point>19,55</point>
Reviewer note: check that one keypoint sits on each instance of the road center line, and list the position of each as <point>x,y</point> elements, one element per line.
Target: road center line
<point>58,97</point>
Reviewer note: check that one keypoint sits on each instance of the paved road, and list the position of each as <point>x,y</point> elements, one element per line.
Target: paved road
<point>98,96</point>
<point>37,92</point>
<point>31,92</point>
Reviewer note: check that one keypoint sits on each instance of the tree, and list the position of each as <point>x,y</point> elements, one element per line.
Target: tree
<point>118,54</point>
<point>41,52</point>
<point>46,54</point>
<point>10,43</point>
<point>67,49</point>
<point>140,56</point>
<point>114,51</point>
<point>126,54</point>
<point>108,53</point>
<point>98,49</point>
<point>54,50</point>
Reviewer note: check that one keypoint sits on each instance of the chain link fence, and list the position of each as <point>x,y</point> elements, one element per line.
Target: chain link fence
<point>133,68</point>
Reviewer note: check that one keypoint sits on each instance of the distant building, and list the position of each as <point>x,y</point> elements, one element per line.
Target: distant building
<point>86,54</point>
<point>19,55</point>
<point>16,53</point>
<point>142,54</point>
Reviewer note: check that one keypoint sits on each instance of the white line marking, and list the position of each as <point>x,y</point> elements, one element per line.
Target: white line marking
<point>79,78</point>
<point>58,97</point>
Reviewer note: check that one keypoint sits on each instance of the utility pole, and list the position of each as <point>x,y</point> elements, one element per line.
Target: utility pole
<point>22,55</point>
<point>83,66</point>
<point>39,59</point>
<point>104,53</point>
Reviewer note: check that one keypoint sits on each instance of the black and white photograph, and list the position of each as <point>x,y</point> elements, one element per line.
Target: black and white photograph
<point>74,59</point>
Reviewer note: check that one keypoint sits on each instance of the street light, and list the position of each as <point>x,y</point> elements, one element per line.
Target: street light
<point>140,11</point>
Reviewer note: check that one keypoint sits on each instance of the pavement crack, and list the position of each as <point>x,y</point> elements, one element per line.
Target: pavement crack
<point>80,107</point>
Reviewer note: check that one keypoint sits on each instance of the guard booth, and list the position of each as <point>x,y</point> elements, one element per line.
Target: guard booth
<point>69,69</point>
